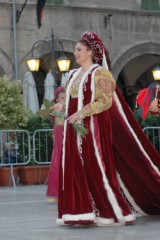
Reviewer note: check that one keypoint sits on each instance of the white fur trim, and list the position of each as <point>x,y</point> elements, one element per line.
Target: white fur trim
<point>104,221</point>
<point>104,62</point>
<point>80,90</point>
<point>59,221</point>
<point>129,197</point>
<point>130,217</point>
<point>69,86</point>
<point>138,215</point>
<point>80,105</point>
<point>65,122</point>
<point>110,222</point>
<point>80,102</point>
<point>120,109</point>
<point>111,197</point>
<point>79,217</point>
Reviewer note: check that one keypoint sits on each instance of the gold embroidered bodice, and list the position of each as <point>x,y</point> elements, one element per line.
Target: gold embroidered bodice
<point>104,88</point>
<point>59,121</point>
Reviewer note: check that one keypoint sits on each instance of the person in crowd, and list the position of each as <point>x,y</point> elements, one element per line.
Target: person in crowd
<point>52,183</point>
<point>148,100</point>
<point>112,174</point>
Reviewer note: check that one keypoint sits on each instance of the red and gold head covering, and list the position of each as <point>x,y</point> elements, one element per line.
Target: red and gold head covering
<point>58,90</point>
<point>101,55</point>
<point>95,44</point>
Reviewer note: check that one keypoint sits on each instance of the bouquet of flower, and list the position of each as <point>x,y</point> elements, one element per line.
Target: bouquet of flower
<point>45,112</point>
<point>82,131</point>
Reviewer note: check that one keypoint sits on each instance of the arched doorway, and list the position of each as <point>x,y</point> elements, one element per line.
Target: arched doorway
<point>133,70</point>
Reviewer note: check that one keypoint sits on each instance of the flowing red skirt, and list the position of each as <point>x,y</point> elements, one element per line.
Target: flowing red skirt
<point>53,177</point>
<point>140,176</point>
<point>131,179</point>
<point>84,191</point>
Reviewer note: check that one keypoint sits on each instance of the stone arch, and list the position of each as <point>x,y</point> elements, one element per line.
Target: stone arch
<point>133,52</point>
<point>68,45</point>
<point>2,71</point>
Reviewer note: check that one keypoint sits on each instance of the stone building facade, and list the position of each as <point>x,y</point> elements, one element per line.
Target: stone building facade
<point>129,29</point>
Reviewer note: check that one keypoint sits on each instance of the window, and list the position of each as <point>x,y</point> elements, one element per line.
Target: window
<point>55,1</point>
<point>150,5</point>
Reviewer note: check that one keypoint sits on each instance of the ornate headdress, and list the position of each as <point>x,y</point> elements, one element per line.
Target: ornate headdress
<point>58,90</point>
<point>97,47</point>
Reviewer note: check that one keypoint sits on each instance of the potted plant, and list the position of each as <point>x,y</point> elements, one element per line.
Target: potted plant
<point>8,176</point>
<point>33,174</point>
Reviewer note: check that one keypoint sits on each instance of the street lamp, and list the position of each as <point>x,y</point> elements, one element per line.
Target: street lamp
<point>156,73</point>
<point>63,62</point>
<point>33,64</point>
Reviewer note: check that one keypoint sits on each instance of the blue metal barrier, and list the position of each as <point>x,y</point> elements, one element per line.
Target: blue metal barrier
<point>42,146</point>
<point>153,134</point>
<point>15,150</point>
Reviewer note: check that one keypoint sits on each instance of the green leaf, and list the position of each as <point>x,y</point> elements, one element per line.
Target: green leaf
<point>43,113</point>
<point>81,130</point>
<point>47,104</point>
<point>58,114</point>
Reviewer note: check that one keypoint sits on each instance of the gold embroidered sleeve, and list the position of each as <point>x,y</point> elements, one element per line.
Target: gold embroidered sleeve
<point>104,88</point>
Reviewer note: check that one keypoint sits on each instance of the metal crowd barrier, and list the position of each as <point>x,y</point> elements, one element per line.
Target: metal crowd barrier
<point>15,150</point>
<point>15,147</point>
<point>153,134</point>
<point>42,146</point>
<point>19,147</point>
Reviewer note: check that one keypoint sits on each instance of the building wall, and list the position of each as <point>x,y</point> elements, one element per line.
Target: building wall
<point>116,4</point>
<point>127,31</point>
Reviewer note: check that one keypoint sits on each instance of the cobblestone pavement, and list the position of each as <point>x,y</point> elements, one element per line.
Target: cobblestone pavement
<point>26,215</point>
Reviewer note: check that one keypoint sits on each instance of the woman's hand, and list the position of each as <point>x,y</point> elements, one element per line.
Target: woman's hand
<point>57,107</point>
<point>73,118</point>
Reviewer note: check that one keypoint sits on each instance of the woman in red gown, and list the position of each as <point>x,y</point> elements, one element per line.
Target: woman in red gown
<point>52,183</point>
<point>112,174</point>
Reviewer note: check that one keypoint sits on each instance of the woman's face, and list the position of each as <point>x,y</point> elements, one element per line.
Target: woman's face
<point>61,97</point>
<point>82,53</point>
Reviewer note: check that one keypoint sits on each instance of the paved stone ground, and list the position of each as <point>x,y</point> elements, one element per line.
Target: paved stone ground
<point>26,215</point>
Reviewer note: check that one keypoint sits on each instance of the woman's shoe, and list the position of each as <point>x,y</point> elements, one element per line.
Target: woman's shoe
<point>52,200</point>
